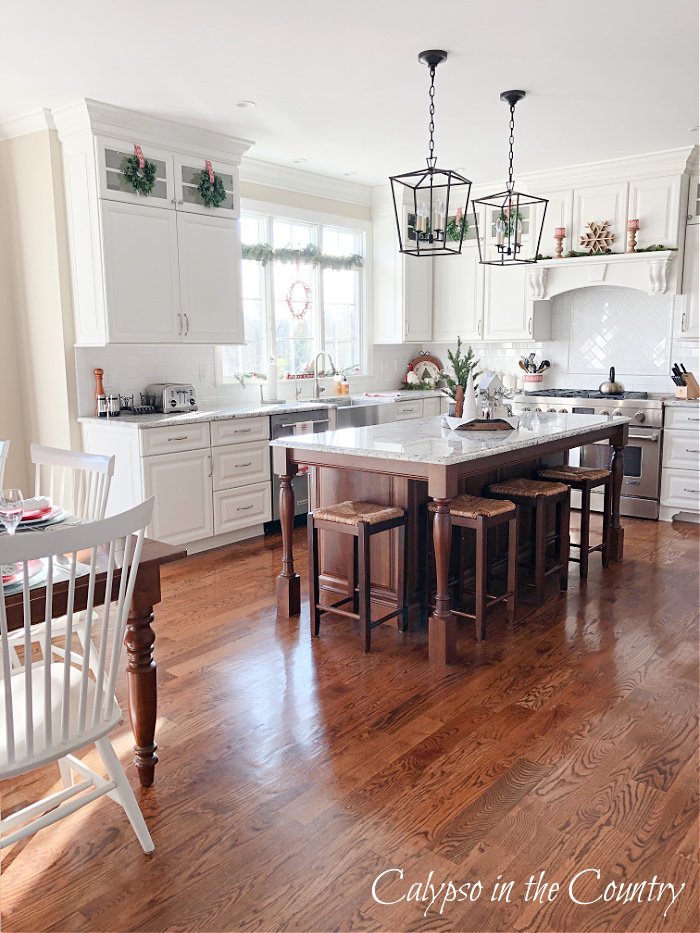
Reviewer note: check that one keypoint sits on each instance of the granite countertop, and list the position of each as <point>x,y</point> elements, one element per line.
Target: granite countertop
<point>682,403</point>
<point>162,420</point>
<point>426,440</point>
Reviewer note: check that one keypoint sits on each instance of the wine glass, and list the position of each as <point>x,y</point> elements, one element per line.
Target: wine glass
<point>11,509</point>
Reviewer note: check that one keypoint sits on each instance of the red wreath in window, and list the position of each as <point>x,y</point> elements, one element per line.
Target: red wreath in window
<point>298,305</point>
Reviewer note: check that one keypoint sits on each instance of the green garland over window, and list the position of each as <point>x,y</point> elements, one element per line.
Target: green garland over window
<point>264,253</point>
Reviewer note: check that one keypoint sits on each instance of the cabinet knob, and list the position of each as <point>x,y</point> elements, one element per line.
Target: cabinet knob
<point>172,200</point>
<point>180,201</point>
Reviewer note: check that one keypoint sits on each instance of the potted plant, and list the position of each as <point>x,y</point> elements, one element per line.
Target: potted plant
<point>463,363</point>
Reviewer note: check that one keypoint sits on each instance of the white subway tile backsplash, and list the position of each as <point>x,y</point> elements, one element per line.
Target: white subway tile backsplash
<point>592,329</point>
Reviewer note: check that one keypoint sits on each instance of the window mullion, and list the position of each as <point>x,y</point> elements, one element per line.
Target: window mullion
<point>320,335</point>
<point>270,321</point>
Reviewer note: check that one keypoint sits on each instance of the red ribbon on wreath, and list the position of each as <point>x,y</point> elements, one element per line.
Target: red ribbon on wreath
<point>210,171</point>
<point>138,152</point>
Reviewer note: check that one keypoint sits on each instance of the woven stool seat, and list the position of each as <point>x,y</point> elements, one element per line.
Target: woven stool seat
<point>476,507</point>
<point>357,513</point>
<point>573,474</point>
<point>527,488</point>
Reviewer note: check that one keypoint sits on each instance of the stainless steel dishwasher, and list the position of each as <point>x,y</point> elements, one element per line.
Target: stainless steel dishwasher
<point>283,426</point>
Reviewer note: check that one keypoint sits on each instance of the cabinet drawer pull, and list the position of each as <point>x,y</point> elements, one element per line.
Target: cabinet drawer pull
<point>529,325</point>
<point>405,410</point>
<point>187,324</point>
<point>317,421</point>
<point>179,325</point>
<point>211,465</point>
<point>479,327</point>
<point>693,419</point>
<point>244,508</point>
<point>690,450</point>
<point>694,491</point>
<point>180,437</point>
<point>242,430</point>
<point>240,466</point>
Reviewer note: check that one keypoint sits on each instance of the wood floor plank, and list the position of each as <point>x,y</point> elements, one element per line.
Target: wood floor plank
<point>294,771</point>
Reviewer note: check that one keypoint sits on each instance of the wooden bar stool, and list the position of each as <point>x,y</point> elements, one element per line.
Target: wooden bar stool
<point>482,514</point>
<point>536,496</point>
<point>362,520</point>
<point>586,479</point>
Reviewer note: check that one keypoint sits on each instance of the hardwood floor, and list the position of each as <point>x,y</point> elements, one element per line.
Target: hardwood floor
<point>293,773</point>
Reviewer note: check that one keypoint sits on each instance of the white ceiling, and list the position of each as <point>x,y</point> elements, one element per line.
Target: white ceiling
<point>339,84</point>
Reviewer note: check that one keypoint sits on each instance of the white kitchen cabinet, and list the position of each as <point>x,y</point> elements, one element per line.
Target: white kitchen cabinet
<point>132,258</point>
<point>508,312</point>
<point>141,277</point>
<point>209,250</point>
<point>687,317</point>
<point>111,159</point>
<point>458,297</point>
<point>597,203</point>
<point>656,203</point>
<point>558,213</point>
<point>432,407</point>
<point>403,285</point>
<point>408,410</point>
<point>187,174</point>
<point>680,472</point>
<point>693,216</point>
<point>181,484</point>
<point>240,465</point>
<point>235,509</point>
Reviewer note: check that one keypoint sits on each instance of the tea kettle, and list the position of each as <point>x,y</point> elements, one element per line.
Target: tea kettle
<point>610,387</point>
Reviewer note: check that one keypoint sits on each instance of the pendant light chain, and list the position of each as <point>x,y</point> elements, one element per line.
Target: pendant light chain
<point>431,160</point>
<point>511,141</point>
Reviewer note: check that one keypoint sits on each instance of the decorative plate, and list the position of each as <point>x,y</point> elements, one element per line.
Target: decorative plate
<point>426,366</point>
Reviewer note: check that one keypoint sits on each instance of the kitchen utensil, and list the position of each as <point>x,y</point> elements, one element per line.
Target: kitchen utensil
<point>545,364</point>
<point>610,386</point>
<point>113,406</point>
<point>521,364</point>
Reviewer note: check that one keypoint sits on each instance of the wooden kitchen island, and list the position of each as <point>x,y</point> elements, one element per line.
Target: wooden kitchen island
<point>405,463</point>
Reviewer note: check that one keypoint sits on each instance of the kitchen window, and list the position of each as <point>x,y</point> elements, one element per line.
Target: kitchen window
<point>292,310</point>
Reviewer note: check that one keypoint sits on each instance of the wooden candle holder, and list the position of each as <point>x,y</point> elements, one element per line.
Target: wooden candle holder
<point>691,389</point>
<point>558,248</point>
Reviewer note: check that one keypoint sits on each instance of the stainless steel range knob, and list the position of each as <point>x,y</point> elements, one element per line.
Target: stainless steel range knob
<point>618,413</point>
<point>640,416</point>
<point>603,411</point>
<point>552,410</point>
<point>563,411</point>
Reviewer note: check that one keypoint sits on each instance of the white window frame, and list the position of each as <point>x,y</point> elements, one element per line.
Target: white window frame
<point>303,215</point>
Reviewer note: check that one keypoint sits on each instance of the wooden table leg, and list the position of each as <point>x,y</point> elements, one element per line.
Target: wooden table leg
<point>442,627</point>
<point>288,582</point>
<point>141,672</point>
<point>616,532</point>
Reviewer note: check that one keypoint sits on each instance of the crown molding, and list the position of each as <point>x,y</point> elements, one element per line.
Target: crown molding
<point>648,164</point>
<point>35,121</point>
<point>96,117</point>
<point>287,178</point>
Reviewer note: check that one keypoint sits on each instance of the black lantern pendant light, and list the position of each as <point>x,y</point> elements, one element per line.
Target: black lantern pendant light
<point>430,204</point>
<point>514,220</point>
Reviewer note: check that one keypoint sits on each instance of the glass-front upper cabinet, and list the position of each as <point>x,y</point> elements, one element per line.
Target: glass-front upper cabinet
<point>694,200</point>
<point>190,172</point>
<point>117,159</point>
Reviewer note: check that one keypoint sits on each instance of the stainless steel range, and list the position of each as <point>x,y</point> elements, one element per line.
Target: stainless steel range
<point>642,457</point>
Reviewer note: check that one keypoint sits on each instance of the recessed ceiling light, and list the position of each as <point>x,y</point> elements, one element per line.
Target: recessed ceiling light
<point>349,174</point>
<point>461,169</point>
<point>693,129</point>
<point>246,104</point>
<point>299,161</point>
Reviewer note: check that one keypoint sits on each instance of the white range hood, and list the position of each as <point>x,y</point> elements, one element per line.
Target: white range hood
<point>653,273</point>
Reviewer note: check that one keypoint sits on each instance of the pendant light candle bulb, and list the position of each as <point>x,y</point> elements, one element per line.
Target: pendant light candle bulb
<point>439,220</point>
<point>500,231</point>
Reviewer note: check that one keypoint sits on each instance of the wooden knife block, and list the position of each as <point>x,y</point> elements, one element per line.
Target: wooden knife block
<point>691,389</point>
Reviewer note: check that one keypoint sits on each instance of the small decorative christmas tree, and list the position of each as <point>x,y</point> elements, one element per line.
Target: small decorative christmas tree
<point>462,364</point>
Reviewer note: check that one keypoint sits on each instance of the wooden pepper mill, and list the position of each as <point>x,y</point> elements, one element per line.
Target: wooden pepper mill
<point>459,402</point>
<point>99,387</point>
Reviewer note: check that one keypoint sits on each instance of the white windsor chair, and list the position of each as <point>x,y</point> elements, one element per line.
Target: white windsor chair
<point>49,709</point>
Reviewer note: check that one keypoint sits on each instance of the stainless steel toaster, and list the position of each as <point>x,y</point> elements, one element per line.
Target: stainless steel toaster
<point>171,396</point>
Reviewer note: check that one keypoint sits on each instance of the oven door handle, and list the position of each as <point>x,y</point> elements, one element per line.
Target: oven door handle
<point>653,438</point>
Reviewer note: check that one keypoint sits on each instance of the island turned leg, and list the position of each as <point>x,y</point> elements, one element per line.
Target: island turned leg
<point>616,533</point>
<point>288,582</point>
<point>442,627</point>
<point>141,672</point>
